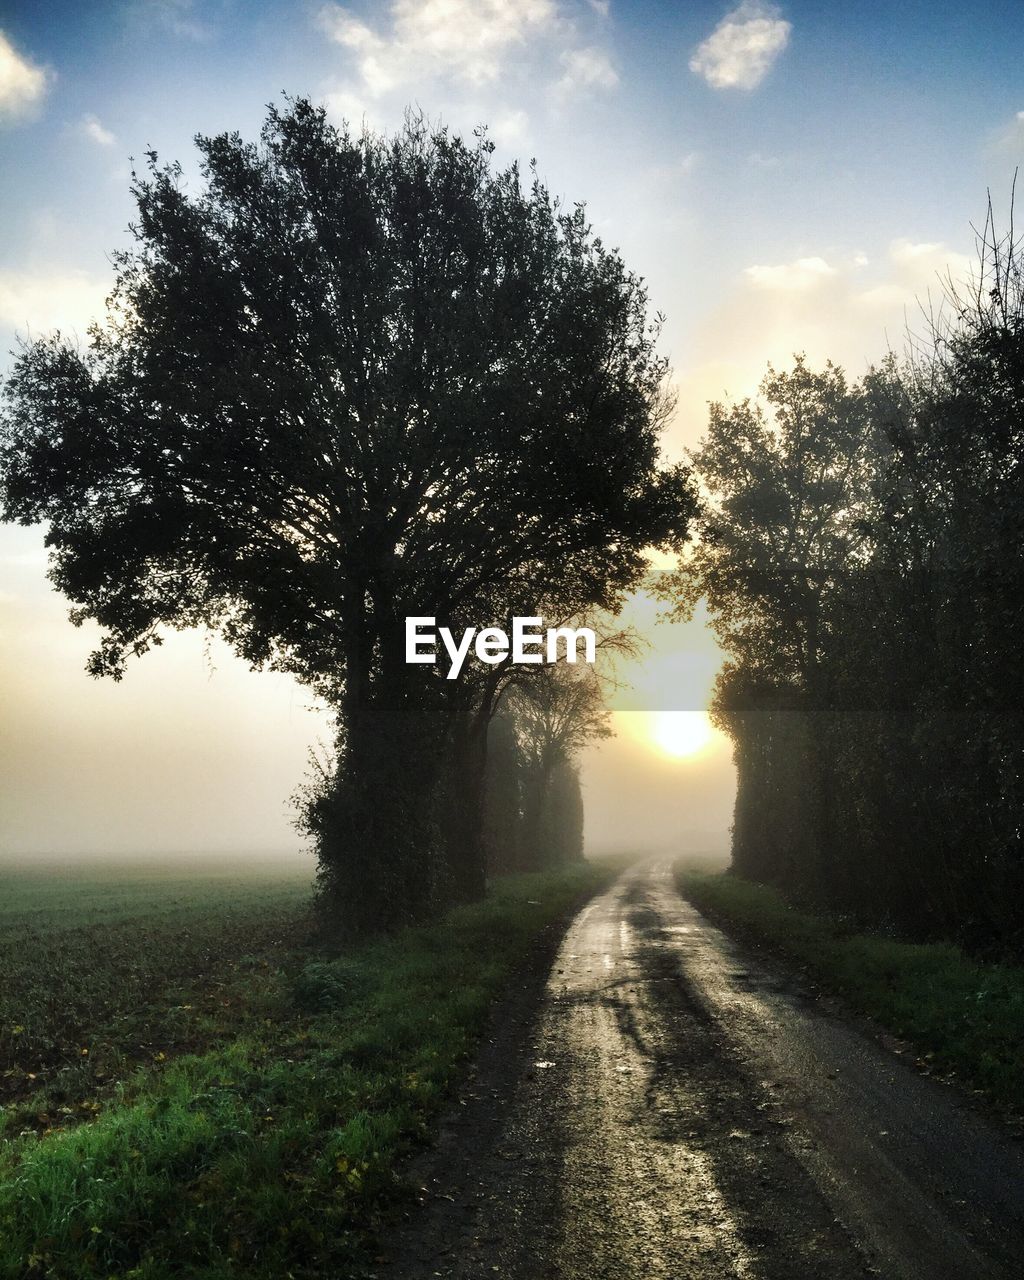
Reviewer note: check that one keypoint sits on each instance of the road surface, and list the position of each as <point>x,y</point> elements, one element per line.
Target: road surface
<point>671,1108</point>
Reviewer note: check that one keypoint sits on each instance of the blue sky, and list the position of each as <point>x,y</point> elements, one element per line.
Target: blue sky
<point>866,124</point>
<point>787,177</point>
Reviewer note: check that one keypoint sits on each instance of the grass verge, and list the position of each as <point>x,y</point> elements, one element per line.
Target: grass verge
<point>275,1151</point>
<point>963,1018</point>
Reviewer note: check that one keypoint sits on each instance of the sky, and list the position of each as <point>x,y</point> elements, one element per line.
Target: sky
<point>793,177</point>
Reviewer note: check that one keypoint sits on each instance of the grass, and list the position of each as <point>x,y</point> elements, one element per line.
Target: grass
<point>963,1018</point>
<point>266,1140</point>
<point>107,967</point>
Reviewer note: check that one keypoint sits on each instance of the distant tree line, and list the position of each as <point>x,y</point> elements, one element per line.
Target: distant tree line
<point>343,381</point>
<point>861,551</point>
<point>533,805</point>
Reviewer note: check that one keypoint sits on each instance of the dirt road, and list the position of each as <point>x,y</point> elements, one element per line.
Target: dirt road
<point>676,1109</point>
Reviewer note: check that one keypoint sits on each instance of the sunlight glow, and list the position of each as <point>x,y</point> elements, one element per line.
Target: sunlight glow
<point>682,734</point>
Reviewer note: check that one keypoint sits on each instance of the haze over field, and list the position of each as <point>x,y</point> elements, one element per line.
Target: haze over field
<point>786,178</point>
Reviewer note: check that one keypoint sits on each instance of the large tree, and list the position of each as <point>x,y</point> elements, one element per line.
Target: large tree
<point>347,380</point>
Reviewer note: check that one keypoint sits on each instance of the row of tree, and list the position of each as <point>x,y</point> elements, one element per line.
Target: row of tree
<point>345,381</point>
<point>860,550</point>
<point>533,805</point>
<point>523,809</point>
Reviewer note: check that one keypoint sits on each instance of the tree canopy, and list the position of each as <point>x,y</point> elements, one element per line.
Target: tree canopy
<point>350,375</point>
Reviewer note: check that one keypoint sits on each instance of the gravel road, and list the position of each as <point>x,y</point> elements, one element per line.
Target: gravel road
<point>666,1106</point>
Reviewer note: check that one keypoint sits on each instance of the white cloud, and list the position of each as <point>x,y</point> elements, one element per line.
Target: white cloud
<point>837,306</point>
<point>586,69</point>
<point>932,261</point>
<point>22,83</point>
<point>37,303</point>
<point>510,127</point>
<point>351,107</point>
<point>740,51</point>
<point>680,166</point>
<point>472,44</point>
<point>90,127</point>
<point>466,39</point>
<point>909,270</point>
<point>1009,139</point>
<point>916,271</point>
<point>791,277</point>
<point>344,28</point>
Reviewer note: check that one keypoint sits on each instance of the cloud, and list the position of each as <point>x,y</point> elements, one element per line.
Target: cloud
<point>791,277</point>
<point>917,271</point>
<point>37,303</point>
<point>353,108</point>
<point>1009,140</point>
<point>805,289</point>
<point>474,44</point>
<point>586,69</point>
<point>912,258</point>
<point>22,83</point>
<point>90,127</point>
<point>510,127</point>
<point>679,166</point>
<point>740,51</point>
<point>467,39</point>
<point>834,306</point>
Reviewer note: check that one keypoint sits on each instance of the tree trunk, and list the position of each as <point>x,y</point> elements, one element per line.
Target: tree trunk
<point>463,817</point>
<point>376,825</point>
<point>535,796</point>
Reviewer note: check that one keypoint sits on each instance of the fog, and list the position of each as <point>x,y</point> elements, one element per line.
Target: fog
<point>636,799</point>
<point>193,753</point>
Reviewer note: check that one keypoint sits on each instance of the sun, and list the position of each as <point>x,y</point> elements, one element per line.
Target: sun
<point>681,734</point>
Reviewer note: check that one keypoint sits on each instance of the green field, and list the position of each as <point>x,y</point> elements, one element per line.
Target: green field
<point>963,1019</point>
<point>108,966</point>
<point>190,1088</point>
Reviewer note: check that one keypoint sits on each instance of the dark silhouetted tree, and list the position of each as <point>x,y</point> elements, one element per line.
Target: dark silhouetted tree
<point>562,818</point>
<point>349,380</point>
<point>554,716</point>
<point>860,553</point>
<point>778,531</point>
<point>502,807</point>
